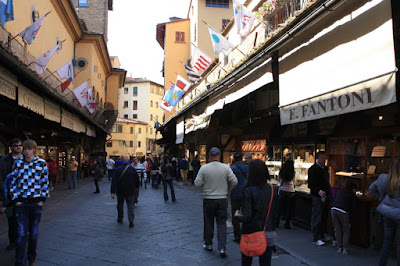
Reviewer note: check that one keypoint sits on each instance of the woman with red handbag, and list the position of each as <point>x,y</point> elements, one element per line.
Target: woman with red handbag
<point>260,213</point>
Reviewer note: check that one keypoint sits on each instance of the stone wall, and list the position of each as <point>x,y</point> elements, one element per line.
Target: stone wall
<point>95,16</point>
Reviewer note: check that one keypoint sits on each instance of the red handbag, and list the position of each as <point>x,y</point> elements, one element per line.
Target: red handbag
<point>255,244</point>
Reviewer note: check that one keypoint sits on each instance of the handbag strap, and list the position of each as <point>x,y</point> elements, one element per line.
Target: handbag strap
<point>269,208</point>
<point>123,172</point>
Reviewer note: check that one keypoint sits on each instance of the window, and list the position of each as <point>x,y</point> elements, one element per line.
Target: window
<point>121,143</point>
<point>151,117</point>
<point>139,144</point>
<point>126,90</point>
<point>156,104</point>
<point>179,36</point>
<point>134,91</point>
<point>117,129</point>
<point>195,32</point>
<point>134,116</point>
<point>134,105</point>
<point>83,3</point>
<point>125,104</point>
<point>139,130</point>
<point>225,23</point>
<point>125,116</point>
<point>131,143</point>
<point>151,103</point>
<point>151,131</point>
<point>217,3</point>
<point>109,144</point>
<point>131,130</point>
<point>157,118</point>
<point>147,130</point>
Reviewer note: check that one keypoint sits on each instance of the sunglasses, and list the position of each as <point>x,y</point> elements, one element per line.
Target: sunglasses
<point>17,145</point>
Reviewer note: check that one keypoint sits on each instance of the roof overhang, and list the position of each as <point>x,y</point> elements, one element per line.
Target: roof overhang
<point>101,47</point>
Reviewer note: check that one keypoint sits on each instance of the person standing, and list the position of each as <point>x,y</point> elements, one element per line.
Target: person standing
<point>214,178</point>
<point>110,163</point>
<point>51,168</point>
<point>98,175</point>
<point>318,182</point>
<point>6,165</point>
<point>257,200</point>
<point>183,169</point>
<point>286,191</point>
<point>125,183</point>
<point>240,170</point>
<point>155,173</point>
<point>167,179</point>
<point>248,158</point>
<point>141,171</point>
<point>196,166</point>
<point>29,190</point>
<point>72,173</point>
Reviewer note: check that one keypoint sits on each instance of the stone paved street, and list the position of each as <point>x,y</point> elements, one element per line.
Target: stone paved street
<point>81,229</point>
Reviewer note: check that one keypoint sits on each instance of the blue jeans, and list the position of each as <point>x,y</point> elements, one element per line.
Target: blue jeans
<point>28,218</point>
<point>171,187</point>
<point>72,179</point>
<point>264,260</point>
<point>391,228</point>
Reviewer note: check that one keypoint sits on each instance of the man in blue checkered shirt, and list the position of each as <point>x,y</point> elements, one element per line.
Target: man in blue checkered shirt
<point>29,190</point>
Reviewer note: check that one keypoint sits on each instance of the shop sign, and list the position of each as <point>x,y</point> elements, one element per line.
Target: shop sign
<point>67,120</point>
<point>79,125</point>
<point>8,90</point>
<point>52,111</point>
<point>30,100</point>
<point>91,132</point>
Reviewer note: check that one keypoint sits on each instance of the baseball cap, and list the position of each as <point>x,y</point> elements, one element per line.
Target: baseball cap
<point>215,151</point>
<point>73,157</point>
<point>238,156</point>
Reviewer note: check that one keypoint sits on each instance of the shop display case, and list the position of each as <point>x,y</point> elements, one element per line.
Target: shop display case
<point>255,147</point>
<point>202,154</point>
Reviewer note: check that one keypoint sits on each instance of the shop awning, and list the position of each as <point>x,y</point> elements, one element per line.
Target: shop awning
<point>180,128</point>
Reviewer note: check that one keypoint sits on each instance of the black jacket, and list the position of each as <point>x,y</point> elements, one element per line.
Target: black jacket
<point>167,168</point>
<point>126,184</point>
<point>196,164</point>
<point>345,200</point>
<point>256,203</point>
<point>318,179</point>
<point>6,164</point>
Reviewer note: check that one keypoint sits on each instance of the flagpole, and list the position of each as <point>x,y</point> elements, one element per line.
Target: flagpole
<point>72,91</point>
<point>67,79</point>
<point>51,74</point>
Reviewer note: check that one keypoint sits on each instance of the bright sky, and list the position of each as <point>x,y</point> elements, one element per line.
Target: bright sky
<point>132,34</point>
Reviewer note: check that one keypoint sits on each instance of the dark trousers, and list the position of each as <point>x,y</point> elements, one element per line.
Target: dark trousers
<point>215,209</point>
<point>236,204</point>
<point>171,187</point>
<point>391,230</point>
<point>136,195</point>
<point>130,200</point>
<point>155,179</point>
<point>110,173</point>
<point>286,205</point>
<point>341,226</point>
<point>96,183</point>
<point>319,214</point>
<point>12,229</point>
<point>264,260</point>
<point>28,218</point>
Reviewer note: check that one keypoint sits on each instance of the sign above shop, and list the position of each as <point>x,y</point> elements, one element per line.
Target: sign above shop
<point>67,120</point>
<point>7,89</point>
<point>52,111</point>
<point>30,100</point>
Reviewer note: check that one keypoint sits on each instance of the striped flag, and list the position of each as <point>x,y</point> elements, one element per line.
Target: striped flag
<point>29,34</point>
<point>200,61</point>
<point>192,74</point>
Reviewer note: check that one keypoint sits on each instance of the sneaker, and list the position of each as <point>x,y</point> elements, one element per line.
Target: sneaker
<point>339,250</point>
<point>207,247</point>
<point>136,204</point>
<point>319,243</point>
<point>326,239</point>
<point>222,252</point>
<point>334,243</point>
<point>345,251</point>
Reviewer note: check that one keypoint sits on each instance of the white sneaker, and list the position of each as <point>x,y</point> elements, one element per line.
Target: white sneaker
<point>136,204</point>
<point>319,243</point>
<point>339,250</point>
<point>334,243</point>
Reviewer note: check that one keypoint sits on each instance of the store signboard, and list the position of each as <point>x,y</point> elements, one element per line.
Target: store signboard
<point>67,119</point>
<point>52,111</point>
<point>7,89</point>
<point>30,100</point>
<point>317,78</point>
<point>90,131</point>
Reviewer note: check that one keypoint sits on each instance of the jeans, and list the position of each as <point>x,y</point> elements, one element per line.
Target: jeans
<point>130,200</point>
<point>96,183</point>
<point>155,179</point>
<point>264,260</point>
<point>12,225</point>
<point>72,179</point>
<point>286,202</point>
<point>110,173</point>
<point>28,218</point>
<point>215,209</point>
<point>318,217</point>
<point>236,204</point>
<point>341,226</point>
<point>171,187</point>
<point>391,228</point>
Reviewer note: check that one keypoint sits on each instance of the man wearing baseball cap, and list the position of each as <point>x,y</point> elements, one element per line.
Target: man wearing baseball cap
<point>214,178</point>
<point>72,173</point>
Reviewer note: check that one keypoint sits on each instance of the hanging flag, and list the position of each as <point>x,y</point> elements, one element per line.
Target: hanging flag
<point>81,94</point>
<point>182,84</point>
<point>65,85</point>
<point>176,96</point>
<point>6,11</point>
<point>192,74</point>
<point>200,61</point>
<point>168,94</point>
<point>244,19</point>
<point>91,106</point>
<point>220,43</point>
<point>30,33</point>
<point>67,71</point>
<point>166,106</point>
<point>41,62</point>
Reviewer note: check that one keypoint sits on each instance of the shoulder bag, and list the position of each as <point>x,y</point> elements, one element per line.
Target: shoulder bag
<point>255,244</point>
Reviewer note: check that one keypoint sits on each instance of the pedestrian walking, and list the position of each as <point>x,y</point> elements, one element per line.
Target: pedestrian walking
<point>124,184</point>
<point>214,178</point>
<point>110,164</point>
<point>387,189</point>
<point>318,182</point>
<point>167,170</point>
<point>141,171</point>
<point>51,168</point>
<point>72,173</point>
<point>190,171</point>
<point>240,170</point>
<point>183,169</point>
<point>148,163</point>
<point>6,165</point>
<point>98,175</point>
<point>155,173</point>
<point>257,204</point>
<point>29,189</point>
<point>286,193</point>
<point>196,166</point>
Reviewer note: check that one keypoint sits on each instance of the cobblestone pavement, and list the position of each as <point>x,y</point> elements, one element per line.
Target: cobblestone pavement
<point>81,229</point>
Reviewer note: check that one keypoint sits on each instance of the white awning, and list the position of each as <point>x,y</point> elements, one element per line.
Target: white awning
<point>180,131</point>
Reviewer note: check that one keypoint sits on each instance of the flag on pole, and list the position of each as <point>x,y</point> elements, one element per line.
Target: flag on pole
<point>30,33</point>
<point>67,71</point>
<point>244,19</point>
<point>81,94</point>
<point>220,43</point>
<point>6,11</point>
<point>65,85</point>
<point>182,84</point>
<point>91,106</point>
<point>200,61</point>
<point>41,62</point>
<point>176,96</point>
<point>166,106</point>
<point>192,74</point>
<point>168,94</point>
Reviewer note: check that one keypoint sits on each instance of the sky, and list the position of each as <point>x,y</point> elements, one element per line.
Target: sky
<point>132,34</point>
